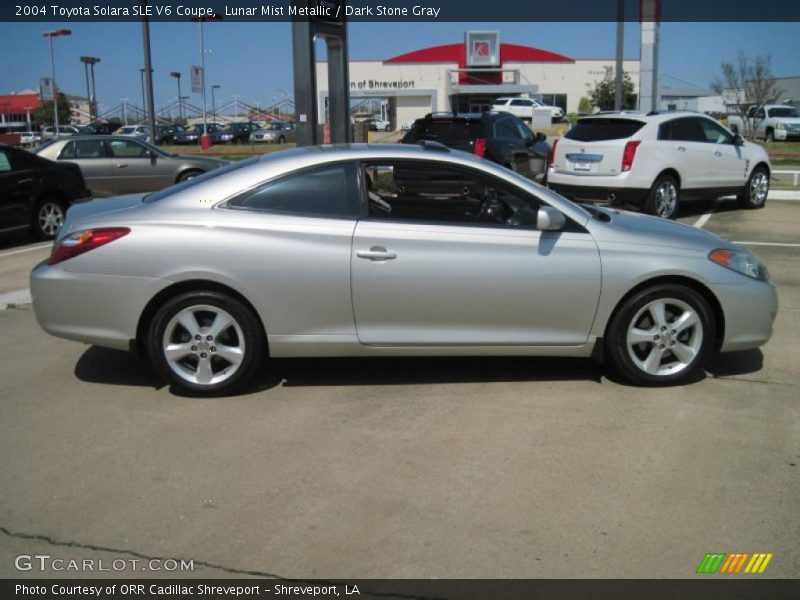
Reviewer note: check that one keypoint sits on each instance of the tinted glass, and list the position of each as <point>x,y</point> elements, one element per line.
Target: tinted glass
<point>784,111</point>
<point>437,193</point>
<point>600,130</point>
<point>127,149</point>
<point>505,128</point>
<point>713,133</point>
<point>83,149</point>
<point>446,131</point>
<point>328,191</point>
<point>682,130</point>
<point>5,162</point>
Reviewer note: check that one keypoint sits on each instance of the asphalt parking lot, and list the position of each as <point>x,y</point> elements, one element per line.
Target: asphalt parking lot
<point>424,468</point>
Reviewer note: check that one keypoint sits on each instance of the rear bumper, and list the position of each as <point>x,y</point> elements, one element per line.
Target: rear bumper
<point>634,196</point>
<point>94,309</point>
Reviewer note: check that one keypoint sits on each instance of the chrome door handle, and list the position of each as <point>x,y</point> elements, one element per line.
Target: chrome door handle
<point>121,166</point>
<point>717,153</point>
<point>376,253</point>
<point>27,180</point>
<point>681,148</point>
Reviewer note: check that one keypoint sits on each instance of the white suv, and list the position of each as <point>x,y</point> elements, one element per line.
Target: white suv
<point>523,108</point>
<point>653,160</point>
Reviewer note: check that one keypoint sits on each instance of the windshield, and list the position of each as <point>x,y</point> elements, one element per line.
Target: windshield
<point>232,127</point>
<point>179,187</point>
<point>194,129</point>
<point>275,126</point>
<point>784,111</point>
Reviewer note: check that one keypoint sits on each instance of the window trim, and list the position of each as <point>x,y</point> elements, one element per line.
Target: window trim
<point>351,163</point>
<point>571,226</point>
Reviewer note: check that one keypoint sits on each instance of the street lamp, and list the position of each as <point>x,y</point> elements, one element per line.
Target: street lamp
<point>90,60</point>
<point>201,20</point>
<point>50,35</point>
<point>177,75</point>
<point>214,103</point>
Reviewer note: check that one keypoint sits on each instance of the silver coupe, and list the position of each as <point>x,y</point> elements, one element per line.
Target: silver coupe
<point>391,251</point>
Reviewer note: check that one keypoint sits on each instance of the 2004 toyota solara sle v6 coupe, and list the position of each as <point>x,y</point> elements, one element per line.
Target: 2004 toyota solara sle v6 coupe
<point>391,251</point>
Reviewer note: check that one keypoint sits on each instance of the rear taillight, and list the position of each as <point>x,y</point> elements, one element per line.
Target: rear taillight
<point>552,158</point>
<point>629,154</point>
<point>80,242</point>
<point>480,147</point>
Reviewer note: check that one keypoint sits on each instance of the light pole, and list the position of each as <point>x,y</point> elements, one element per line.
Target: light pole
<point>201,20</point>
<point>90,60</point>
<point>177,75</point>
<point>124,109</point>
<point>214,103</point>
<point>94,89</point>
<point>50,35</point>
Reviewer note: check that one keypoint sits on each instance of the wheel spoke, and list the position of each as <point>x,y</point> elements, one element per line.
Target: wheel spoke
<point>639,336</point>
<point>221,322</point>
<point>653,361</point>
<point>175,352</point>
<point>204,372</point>
<point>189,323</point>
<point>658,310</point>
<point>230,353</point>
<point>684,353</point>
<point>685,321</point>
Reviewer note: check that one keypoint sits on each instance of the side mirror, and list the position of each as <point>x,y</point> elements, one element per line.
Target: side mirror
<point>540,137</point>
<point>550,219</point>
<point>738,140</point>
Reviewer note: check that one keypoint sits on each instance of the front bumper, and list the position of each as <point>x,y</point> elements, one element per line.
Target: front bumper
<point>94,309</point>
<point>750,310</point>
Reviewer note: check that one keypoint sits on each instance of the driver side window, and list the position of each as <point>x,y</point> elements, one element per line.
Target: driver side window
<point>442,194</point>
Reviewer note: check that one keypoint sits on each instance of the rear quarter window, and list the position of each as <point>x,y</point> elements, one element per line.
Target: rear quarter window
<point>601,130</point>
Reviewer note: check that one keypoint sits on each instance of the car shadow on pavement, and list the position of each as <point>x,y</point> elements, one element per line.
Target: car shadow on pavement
<point>696,208</point>
<point>736,363</point>
<point>427,370</point>
<point>115,367</point>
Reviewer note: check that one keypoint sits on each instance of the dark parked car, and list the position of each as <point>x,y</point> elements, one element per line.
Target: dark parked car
<point>35,192</point>
<point>499,137</point>
<point>234,133</point>
<point>165,134</point>
<point>191,135</point>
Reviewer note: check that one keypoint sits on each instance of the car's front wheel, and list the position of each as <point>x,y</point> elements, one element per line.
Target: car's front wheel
<point>206,343</point>
<point>662,200</point>
<point>187,175</point>
<point>754,194</point>
<point>660,335</point>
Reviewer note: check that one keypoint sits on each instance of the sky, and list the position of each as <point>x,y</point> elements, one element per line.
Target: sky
<point>253,60</point>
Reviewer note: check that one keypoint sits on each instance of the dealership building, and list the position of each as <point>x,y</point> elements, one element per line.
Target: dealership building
<point>468,76</point>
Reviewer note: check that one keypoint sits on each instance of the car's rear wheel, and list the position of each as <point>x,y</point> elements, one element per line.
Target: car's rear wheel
<point>754,194</point>
<point>206,343</point>
<point>187,175</point>
<point>281,140</point>
<point>662,200</point>
<point>660,335</point>
<point>48,218</point>
<point>770,135</point>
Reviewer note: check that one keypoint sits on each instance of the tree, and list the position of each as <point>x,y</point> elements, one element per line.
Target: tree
<point>585,105</point>
<point>748,82</point>
<point>604,91</point>
<point>43,116</point>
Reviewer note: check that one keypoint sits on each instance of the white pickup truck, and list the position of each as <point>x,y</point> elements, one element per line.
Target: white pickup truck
<point>772,122</point>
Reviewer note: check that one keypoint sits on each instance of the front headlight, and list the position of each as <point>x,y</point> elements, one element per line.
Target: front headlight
<point>780,125</point>
<point>741,262</point>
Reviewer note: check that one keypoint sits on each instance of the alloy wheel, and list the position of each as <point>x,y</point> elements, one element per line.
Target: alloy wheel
<point>50,218</point>
<point>759,187</point>
<point>666,199</point>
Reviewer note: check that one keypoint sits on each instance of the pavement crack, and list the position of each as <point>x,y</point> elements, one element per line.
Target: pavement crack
<point>747,380</point>
<point>232,570</point>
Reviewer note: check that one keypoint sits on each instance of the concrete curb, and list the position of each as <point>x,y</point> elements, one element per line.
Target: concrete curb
<point>15,297</point>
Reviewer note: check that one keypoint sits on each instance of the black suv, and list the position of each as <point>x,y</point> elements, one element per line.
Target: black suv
<point>499,137</point>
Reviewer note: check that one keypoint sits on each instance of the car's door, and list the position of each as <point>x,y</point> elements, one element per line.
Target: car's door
<point>683,144</point>
<point>463,264</point>
<point>16,186</point>
<point>92,156</point>
<point>730,167</point>
<point>137,169</point>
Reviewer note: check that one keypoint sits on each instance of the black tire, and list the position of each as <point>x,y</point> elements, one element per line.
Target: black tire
<point>671,367</point>
<point>187,175</point>
<point>770,136</point>
<point>244,333</point>
<point>281,140</point>
<point>663,198</point>
<point>48,217</point>
<point>753,195</point>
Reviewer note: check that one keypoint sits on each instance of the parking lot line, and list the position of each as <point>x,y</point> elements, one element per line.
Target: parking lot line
<point>26,249</point>
<point>707,215</point>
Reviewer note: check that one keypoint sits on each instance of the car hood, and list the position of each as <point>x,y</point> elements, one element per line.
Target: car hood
<point>636,228</point>
<point>84,211</point>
